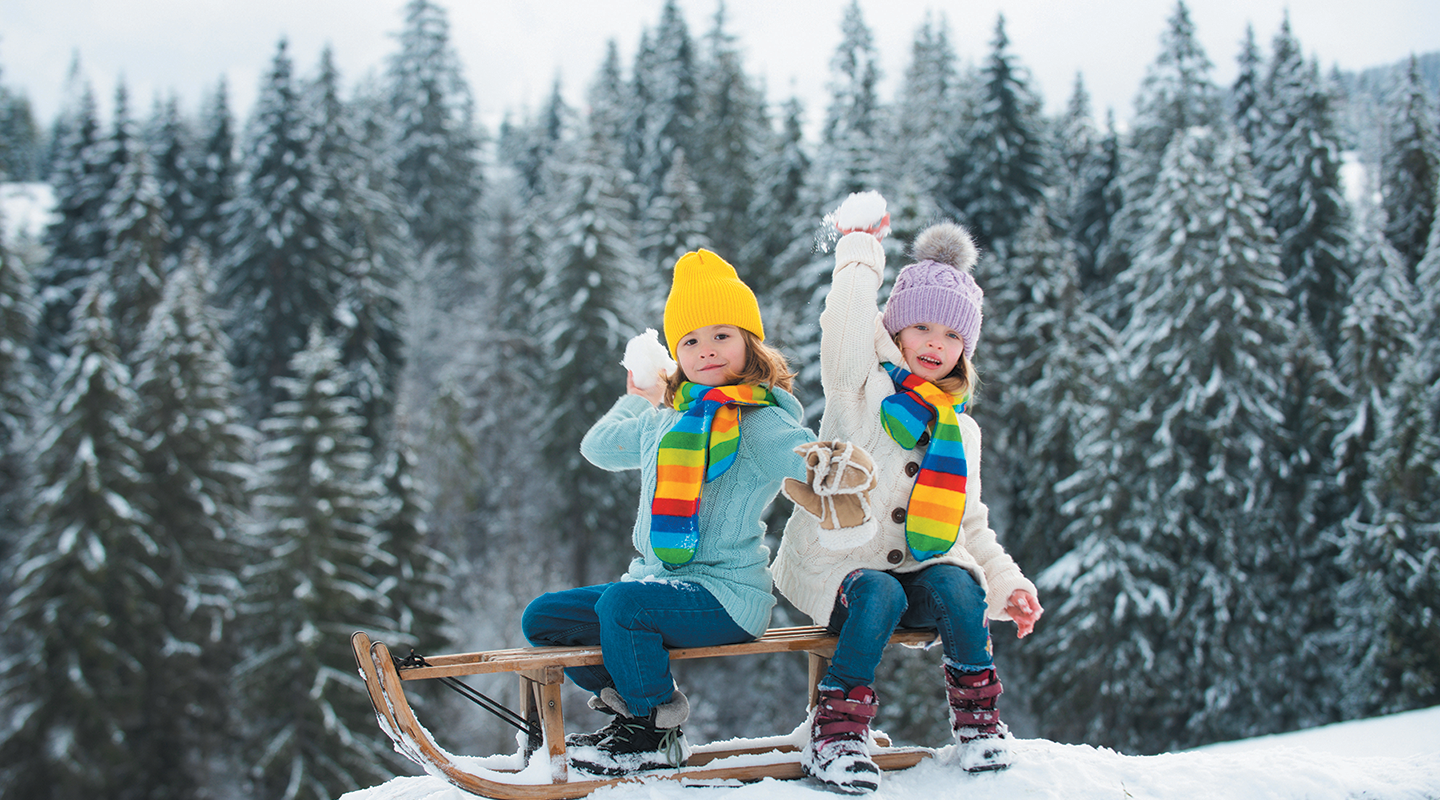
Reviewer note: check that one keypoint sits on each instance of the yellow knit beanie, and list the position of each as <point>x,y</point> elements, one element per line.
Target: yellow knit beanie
<point>707,291</point>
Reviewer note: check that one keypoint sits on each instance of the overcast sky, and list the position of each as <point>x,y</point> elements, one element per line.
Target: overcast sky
<point>513,50</point>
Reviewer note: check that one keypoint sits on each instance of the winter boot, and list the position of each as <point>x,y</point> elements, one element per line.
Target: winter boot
<point>838,753</point>
<point>631,744</point>
<point>597,702</point>
<point>982,740</point>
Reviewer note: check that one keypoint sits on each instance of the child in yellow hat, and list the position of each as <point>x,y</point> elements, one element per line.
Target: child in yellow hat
<point>713,444</point>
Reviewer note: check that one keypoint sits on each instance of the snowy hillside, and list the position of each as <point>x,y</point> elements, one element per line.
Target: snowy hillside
<point>1391,758</point>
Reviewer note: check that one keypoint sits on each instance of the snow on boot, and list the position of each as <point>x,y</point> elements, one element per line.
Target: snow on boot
<point>634,744</point>
<point>598,703</point>
<point>838,753</point>
<point>982,740</point>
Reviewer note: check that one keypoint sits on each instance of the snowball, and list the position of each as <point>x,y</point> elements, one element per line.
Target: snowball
<point>647,359</point>
<point>860,211</point>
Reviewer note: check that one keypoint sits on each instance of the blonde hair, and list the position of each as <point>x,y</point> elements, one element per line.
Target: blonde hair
<point>763,365</point>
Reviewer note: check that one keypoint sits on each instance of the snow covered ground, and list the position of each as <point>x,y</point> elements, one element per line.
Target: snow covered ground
<point>1395,757</point>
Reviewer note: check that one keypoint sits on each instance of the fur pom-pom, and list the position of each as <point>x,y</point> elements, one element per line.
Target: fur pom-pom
<point>946,243</point>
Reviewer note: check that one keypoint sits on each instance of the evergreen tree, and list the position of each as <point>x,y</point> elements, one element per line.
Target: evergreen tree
<point>927,115</point>
<point>1096,205</point>
<point>1297,158</point>
<point>417,585</point>
<point>136,236</point>
<point>283,260</point>
<point>196,459</point>
<point>215,174</point>
<point>666,89</point>
<point>75,239</point>
<point>724,165</point>
<point>997,174</point>
<point>853,135</point>
<point>777,205</point>
<point>1244,102</point>
<point>1176,94</point>
<point>588,306</point>
<point>314,582</point>
<point>1410,168</point>
<point>172,155</point>
<point>82,615</point>
<point>371,236</point>
<point>436,146</point>
<point>20,138</point>
<point>17,393</point>
<point>675,224</point>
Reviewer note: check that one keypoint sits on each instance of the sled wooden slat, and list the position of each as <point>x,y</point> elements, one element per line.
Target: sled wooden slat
<point>541,674</point>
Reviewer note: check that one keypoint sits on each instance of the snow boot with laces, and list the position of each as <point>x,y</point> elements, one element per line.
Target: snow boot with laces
<point>631,744</point>
<point>982,740</point>
<point>838,752</point>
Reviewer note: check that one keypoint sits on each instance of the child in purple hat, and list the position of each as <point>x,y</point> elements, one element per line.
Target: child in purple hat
<point>897,385</point>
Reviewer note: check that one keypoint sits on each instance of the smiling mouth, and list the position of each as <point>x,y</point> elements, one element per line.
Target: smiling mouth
<point>929,361</point>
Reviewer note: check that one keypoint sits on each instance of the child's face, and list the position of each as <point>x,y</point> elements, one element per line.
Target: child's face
<point>712,355</point>
<point>931,350</point>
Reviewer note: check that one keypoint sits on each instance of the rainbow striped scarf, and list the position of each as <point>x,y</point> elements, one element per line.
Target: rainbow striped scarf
<point>937,502</point>
<point>699,449</point>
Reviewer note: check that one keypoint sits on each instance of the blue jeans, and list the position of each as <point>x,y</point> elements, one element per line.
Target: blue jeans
<point>872,604</point>
<point>633,622</point>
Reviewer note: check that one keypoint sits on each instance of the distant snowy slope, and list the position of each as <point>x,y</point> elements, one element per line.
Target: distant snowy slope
<point>1390,758</point>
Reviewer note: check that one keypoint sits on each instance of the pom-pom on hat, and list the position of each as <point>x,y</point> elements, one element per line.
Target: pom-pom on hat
<point>707,291</point>
<point>938,287</point>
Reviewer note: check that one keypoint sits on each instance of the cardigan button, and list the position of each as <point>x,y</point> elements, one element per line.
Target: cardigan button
<point>912,469</point>
<point>898,515</point>
<point>923,440</point>
<point>895,557</point>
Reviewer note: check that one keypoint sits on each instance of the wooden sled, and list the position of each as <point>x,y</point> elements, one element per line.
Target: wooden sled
<point>541,673</point>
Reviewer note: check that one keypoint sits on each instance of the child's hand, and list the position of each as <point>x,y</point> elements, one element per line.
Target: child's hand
<point>1024,608</point>
<point>878,229</point>
<point>655,394</point>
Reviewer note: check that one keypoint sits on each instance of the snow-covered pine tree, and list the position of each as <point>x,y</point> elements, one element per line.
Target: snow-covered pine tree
<point>20,139</point>
<point>1208,303</point>
<point>418,585</point>
<point>666,87</point>
<point>283,261</point>
<point>358,176</point>
<point>311,731</point>
<point>675,224</point>
<point>998,171</point>
<point>734,122</point>
<point>75,239</point>
<point>1382,332</point>
<point>1077,143</point>
<point>588,308</point>
<point>848,160</point>
<point>196,457</point>
<point>1176,94</point>
<point>1096,204</point>
<point>82,616</point>
<point>18,312</point>
<point>170,144</point>
<point>1409,167</point>
<point>436,144</point>
<point>1243,103</point>
<point>216,172</point>
<point>927,116</point>
<point>1297,158</point>
<point>779,214</point>
<point>136,234</point>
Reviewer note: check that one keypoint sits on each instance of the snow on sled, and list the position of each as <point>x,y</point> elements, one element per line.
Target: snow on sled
<point>543,772</point>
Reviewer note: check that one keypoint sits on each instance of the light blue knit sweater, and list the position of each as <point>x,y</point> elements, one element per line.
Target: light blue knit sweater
<point>731,560</point>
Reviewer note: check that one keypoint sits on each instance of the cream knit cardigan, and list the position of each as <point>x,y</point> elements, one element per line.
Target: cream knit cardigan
<point>853,344</point>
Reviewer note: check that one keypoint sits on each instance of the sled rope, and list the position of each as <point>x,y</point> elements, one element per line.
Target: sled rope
<point>479,698</point>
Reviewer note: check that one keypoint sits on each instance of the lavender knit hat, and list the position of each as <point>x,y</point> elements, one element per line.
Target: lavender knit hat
<point>938,287</point>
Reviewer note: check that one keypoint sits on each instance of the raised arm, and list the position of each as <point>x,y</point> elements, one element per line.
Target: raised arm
<point>847,325</point>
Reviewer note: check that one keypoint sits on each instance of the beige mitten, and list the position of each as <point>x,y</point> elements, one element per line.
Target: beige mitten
<point>839,477</point>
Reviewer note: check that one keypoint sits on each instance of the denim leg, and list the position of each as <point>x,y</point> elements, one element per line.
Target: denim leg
<point>640,619</point>
<point>949,599</point>
<point>868,607</point>
<point>568,619</point>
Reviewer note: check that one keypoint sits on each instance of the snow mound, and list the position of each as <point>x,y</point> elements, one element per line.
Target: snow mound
<point>1395,757</point>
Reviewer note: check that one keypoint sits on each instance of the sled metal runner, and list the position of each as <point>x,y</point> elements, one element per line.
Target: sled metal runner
<point>541,673</point>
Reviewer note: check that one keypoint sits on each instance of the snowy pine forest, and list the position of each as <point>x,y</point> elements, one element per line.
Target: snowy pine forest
<point>267,381</point>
